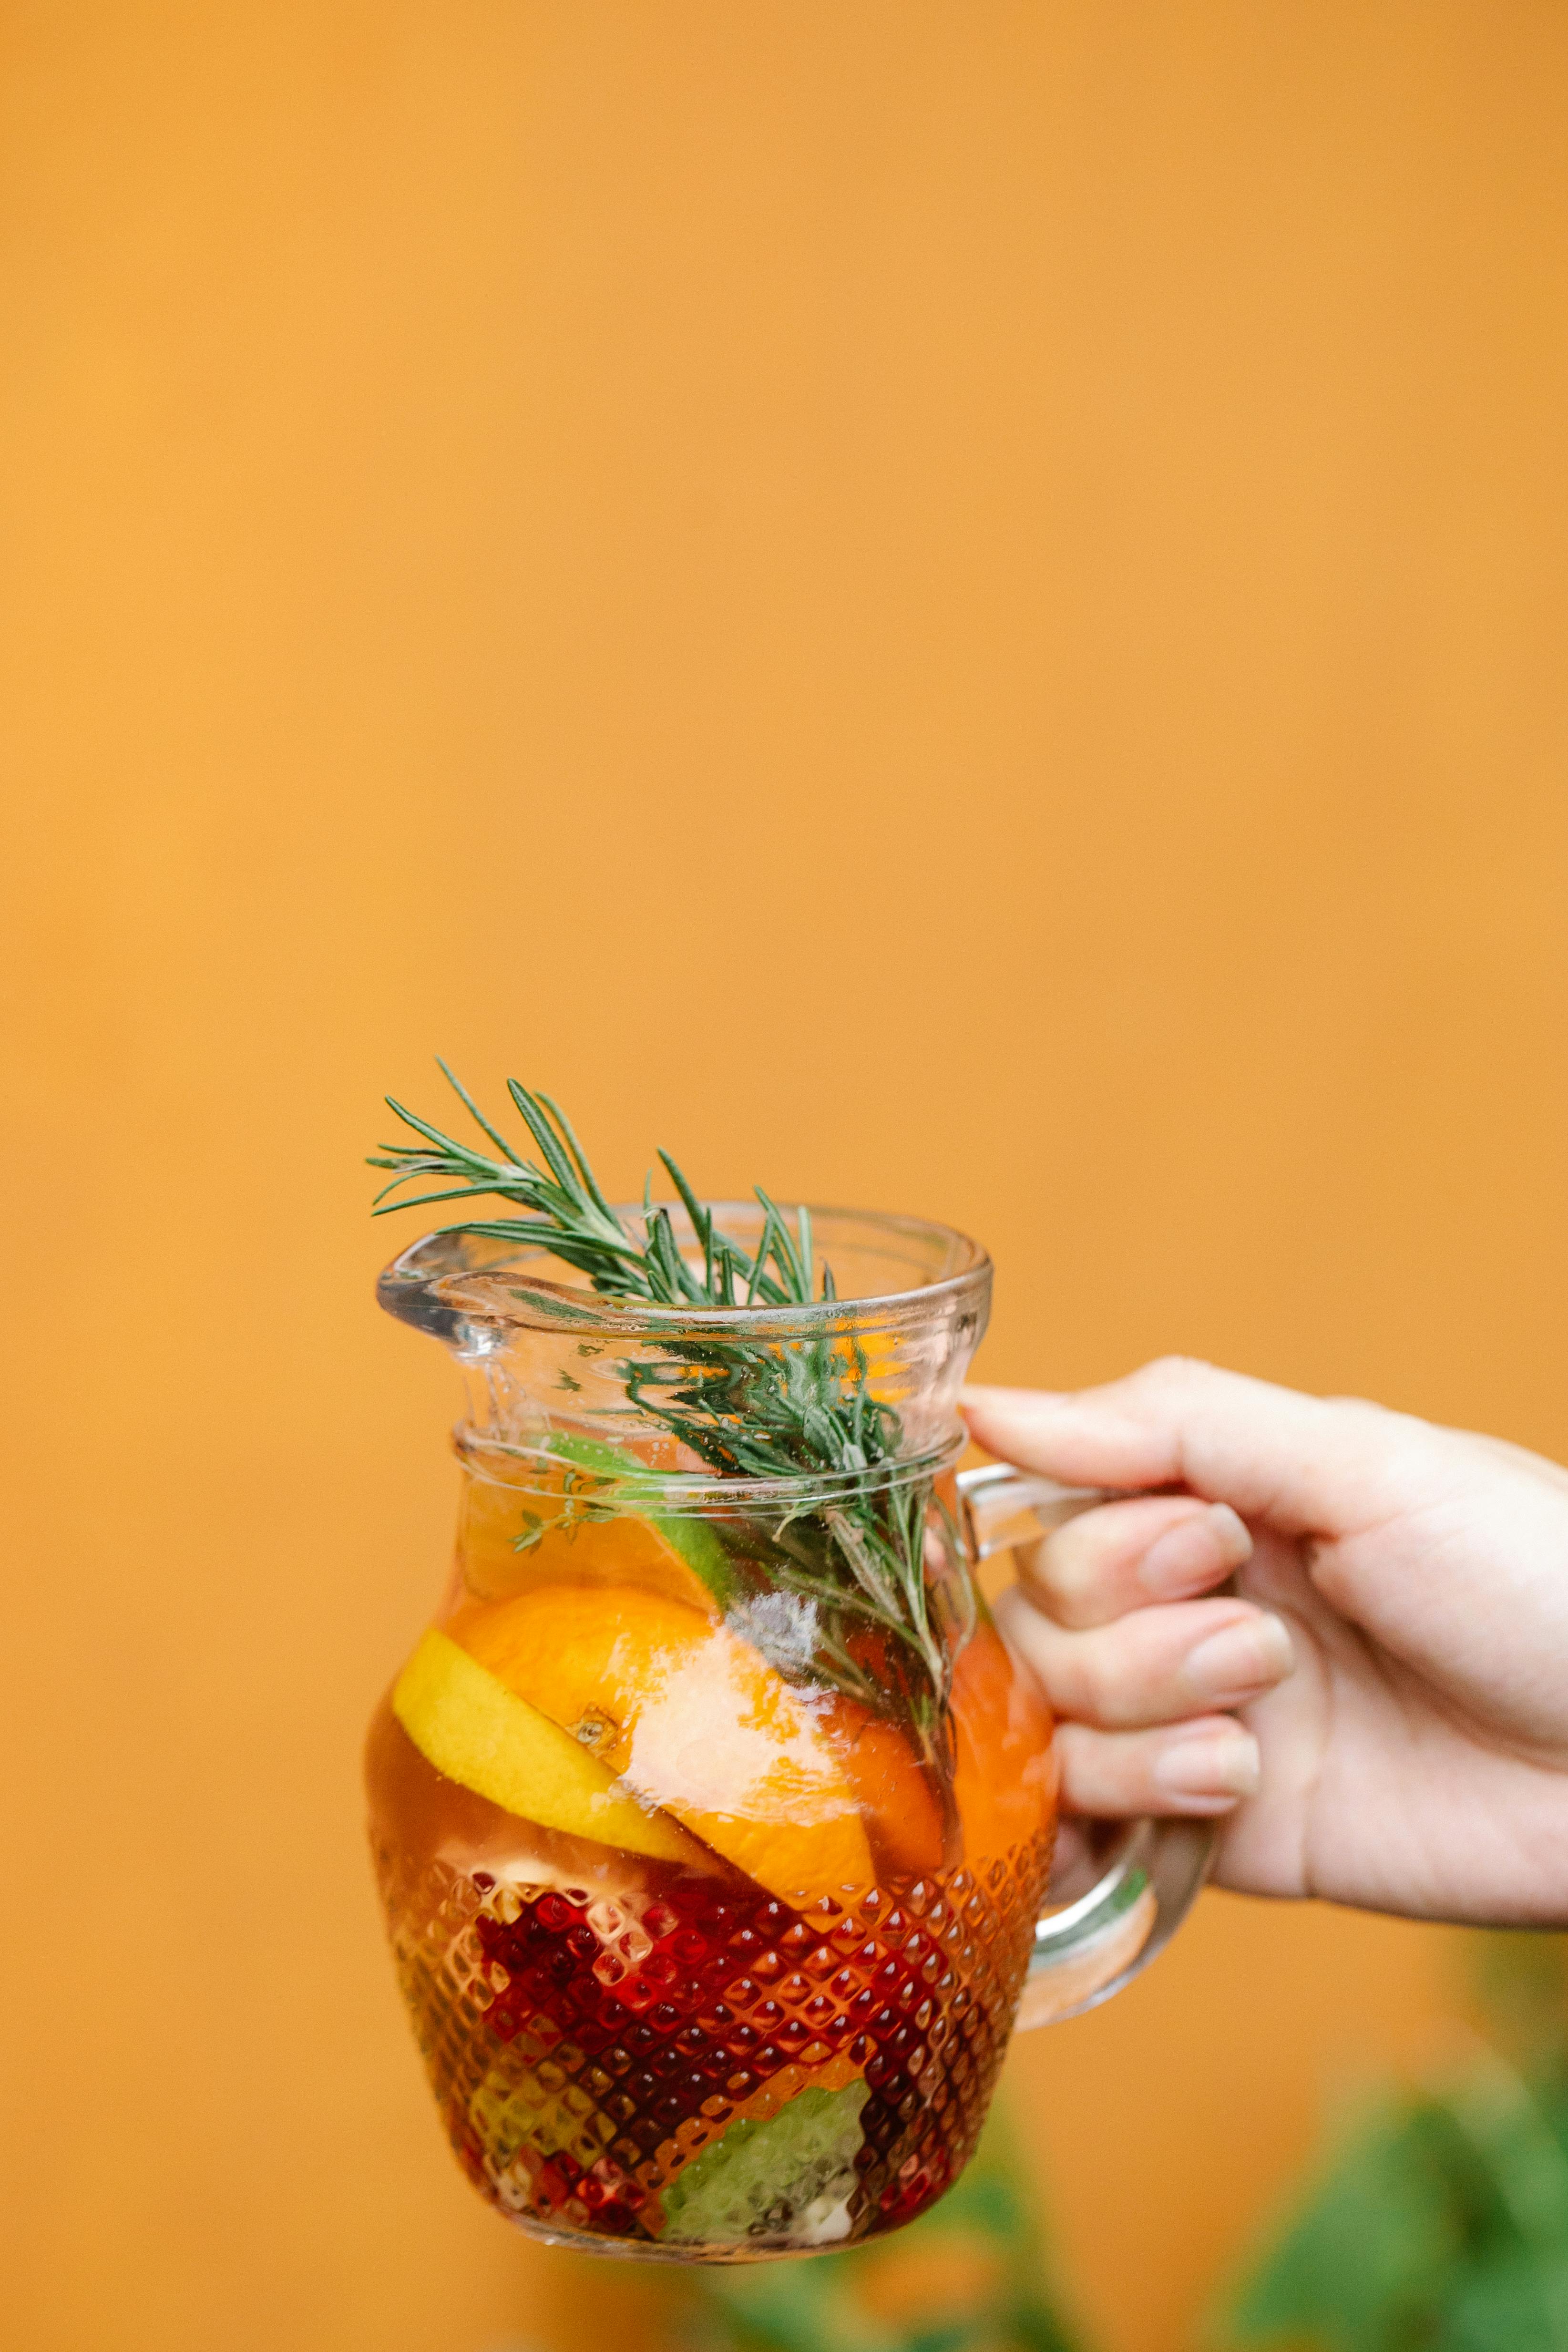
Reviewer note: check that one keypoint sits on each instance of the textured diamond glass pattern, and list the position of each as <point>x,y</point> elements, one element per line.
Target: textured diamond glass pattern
<point>585,2049</point>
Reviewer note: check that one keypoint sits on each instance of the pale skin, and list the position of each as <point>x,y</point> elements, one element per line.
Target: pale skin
<point>1377,1710</point>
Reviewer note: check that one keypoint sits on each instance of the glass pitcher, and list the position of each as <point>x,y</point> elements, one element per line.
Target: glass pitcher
<point>713,1820</point>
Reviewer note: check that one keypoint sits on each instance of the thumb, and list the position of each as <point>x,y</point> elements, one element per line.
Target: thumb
<point>1307,1465</point>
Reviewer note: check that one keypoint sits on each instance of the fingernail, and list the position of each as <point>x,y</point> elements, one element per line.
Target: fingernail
<point>1239,1660</point>
<point>1195,1552</point>
<point>1218,1761</point>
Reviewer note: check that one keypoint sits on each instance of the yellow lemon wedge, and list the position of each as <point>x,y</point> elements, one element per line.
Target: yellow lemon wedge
<point>477,1732</point>
<point>690,1717</point>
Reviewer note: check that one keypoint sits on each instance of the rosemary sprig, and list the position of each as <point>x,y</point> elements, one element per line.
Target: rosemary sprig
<point>745,1410</point>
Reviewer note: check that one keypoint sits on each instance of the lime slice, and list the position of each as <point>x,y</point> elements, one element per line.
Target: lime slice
<point>692,1540</point>
<point>790,2177</point>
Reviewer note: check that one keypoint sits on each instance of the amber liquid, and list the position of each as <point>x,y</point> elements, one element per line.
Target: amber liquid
<point>595,2023</point>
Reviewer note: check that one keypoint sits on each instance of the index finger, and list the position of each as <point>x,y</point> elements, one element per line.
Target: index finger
<point>1309,1464</point>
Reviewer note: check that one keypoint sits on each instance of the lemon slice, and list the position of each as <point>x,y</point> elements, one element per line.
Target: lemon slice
<point>477,1732</point>
<point>693,1716</point>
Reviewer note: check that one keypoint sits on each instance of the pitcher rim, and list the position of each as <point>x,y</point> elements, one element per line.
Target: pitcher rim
<point>557,1305</point>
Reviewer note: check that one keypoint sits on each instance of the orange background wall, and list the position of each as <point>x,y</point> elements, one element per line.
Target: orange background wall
<point>954,604</point>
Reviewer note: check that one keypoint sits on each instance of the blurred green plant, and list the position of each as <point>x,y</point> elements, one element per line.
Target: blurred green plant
<point>972,2275</point>
<point>1442,2223</point>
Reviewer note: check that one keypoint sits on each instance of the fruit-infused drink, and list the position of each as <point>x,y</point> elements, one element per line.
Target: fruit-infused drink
<point>713,1819</point>
<point>738,1977</point>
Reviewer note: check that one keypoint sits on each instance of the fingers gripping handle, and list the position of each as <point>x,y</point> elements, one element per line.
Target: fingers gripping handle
<point>1003,1507</point>
<point>1086,1950</point>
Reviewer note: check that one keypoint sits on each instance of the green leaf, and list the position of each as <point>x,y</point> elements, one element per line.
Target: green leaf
<point>1367,2263</point>
<point>469,1105</point>
<point>1516,2303</point>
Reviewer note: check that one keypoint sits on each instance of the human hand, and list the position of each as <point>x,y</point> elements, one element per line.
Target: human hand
<point>1378,1710</point>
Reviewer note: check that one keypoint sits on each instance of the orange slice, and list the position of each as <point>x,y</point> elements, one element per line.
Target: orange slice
<point>894,1795</point>
<point>690,1718</point>
<point>483,1736</point>
<point>1005,1780</point>
<point>594,1515</point>
<point>625,1549</point>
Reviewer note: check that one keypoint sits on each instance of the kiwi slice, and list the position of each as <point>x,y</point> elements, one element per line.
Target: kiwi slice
<point>791,2177</point>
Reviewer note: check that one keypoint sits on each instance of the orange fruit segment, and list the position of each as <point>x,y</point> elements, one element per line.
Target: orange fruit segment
<point>1005,1777</point>
<point>483,1736</point>
<point>592,1513</point>
<point>690,1718</point>
<point>894,1793</point>
<point>625,1549</point>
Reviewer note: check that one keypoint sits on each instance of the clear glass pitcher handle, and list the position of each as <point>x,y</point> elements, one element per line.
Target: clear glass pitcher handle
<point>1088,1950</point>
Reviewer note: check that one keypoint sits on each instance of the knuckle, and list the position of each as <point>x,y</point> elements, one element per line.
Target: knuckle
<point>1096,1673</point>
<point>1078,1755</point>
<point>1067,1568</point>
<point>1023,1624</point>
<point>1076,1612</point>
<point>1168,1373</point>
<point>1101,1772</point>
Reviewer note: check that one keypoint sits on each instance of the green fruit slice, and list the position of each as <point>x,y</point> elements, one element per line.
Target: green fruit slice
<point>792,2176</point>
<point>692,1540</point>
<point>477,1732</point>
